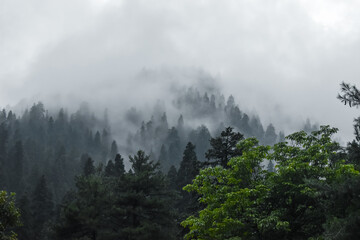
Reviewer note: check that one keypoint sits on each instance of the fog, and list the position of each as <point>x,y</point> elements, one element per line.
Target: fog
<point>281,60</point>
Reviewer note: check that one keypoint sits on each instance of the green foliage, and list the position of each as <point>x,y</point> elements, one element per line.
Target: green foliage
<point>133,205</point>
<point>351,95</point>
<point>243,201</point>
<point>9,216</point>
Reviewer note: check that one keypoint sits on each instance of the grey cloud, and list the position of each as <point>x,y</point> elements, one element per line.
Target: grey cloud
<point>281,59</point>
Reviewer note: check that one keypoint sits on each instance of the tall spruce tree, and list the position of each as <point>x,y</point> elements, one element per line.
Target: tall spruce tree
<point>42,208</point>
<point>142,208</point>
<point>110,169</point>
<point>172,178</point>
<point>189,168</point>
<point>119,168</point>
<point>223,148</point>
<point>25,232</point>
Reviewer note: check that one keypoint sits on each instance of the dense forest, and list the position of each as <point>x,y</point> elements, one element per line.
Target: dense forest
<point>215,173</point>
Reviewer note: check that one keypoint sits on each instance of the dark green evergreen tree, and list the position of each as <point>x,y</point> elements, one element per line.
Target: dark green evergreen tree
<point>223,148</point>
<point>3,153</point>
<point>142,209</point>
<point>17,168</point>
<point>85,215</point>
<point>189,166</point>
<point>119,168</point>
<point>110,169</point>
<point>42,207</point>
<point>172,178</point>
<point>89,167</point>
<point>25,232</point>
<point>173,141</point>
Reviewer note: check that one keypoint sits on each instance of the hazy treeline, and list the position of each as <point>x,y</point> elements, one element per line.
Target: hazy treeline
<point>72,183</point>
<point>37,143</point>
<point>200,117</point>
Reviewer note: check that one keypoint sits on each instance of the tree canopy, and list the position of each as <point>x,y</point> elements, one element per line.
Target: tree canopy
<point>9,216</point>
<point>245,201</point>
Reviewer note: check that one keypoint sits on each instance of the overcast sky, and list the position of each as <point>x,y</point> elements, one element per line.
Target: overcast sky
<point>283,59</point>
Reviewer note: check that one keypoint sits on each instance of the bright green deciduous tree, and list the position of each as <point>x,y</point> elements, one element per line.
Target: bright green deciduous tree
<point>245,202</point>
<point>9,216</point>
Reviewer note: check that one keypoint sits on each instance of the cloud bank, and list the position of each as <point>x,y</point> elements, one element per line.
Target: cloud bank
<point>283,60</point>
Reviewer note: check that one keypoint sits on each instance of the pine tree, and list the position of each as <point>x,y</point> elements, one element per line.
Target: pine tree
<point>223,148</point>
<point>173,141</point>
<point>25,231</point>
<point>110,169</point>
<point>119,168</point>
<point>42,207</point>
<point>172,178</point>
<point>89,167</point>
<point>17,168</point>
<point>270,135</point>
<point>85,214</point>
<point>142,209</point>
<point>189,166</point>
<point>3,153</point>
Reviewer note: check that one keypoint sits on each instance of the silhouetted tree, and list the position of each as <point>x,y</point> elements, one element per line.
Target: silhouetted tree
<point>89,167</point>
<point>223,148</point>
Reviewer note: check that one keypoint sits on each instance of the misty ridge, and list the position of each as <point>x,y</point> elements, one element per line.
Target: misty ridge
<point>159,126</point>
<point>57,144</point>
<point>170,120</point>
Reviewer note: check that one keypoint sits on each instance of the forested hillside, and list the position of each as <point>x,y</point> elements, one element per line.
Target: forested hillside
<point>206,181</point>
<point>200,116</point>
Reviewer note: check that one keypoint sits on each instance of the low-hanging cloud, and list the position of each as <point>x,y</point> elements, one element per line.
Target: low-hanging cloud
<point>278,58</point>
